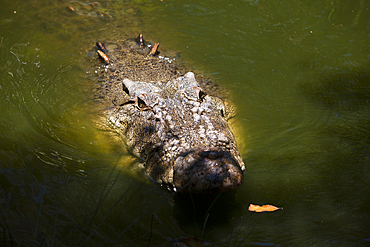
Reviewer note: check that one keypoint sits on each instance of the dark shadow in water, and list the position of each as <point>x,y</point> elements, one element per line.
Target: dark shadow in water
<point>342,99</point>
<point>196,214</point>
<point>340,88</point>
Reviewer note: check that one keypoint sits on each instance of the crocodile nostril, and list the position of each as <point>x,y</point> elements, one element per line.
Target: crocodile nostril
<point>215,155</point>
<point>212,154</point>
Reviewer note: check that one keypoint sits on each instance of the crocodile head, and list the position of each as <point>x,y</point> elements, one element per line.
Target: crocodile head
<point>181,133</point>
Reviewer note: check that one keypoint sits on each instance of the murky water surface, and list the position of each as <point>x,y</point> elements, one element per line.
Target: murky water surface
<point>298,73</point>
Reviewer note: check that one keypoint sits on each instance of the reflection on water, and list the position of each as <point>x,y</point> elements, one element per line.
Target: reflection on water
<point>297,72</point>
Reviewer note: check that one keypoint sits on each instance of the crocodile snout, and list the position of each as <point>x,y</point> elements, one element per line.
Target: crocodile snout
<point>207,170</point>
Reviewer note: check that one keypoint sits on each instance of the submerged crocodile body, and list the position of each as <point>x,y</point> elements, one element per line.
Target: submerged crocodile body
<point>170,120</point>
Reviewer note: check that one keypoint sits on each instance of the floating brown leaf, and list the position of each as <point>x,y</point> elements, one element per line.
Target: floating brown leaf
<point>264,208</point>
<point>103,56</point>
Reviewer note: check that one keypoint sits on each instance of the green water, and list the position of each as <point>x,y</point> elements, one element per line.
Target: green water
<point>297,71</point>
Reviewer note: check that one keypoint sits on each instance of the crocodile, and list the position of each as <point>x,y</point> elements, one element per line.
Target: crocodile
<point>174,121</point>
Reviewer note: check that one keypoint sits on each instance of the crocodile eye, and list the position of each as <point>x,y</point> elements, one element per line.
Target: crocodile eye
<point>201,95</point>
<point>142,102</point>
